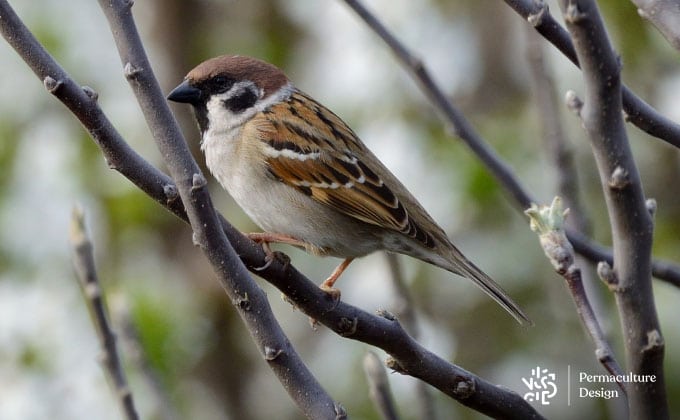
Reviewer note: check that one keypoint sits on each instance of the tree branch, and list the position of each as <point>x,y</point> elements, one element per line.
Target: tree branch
<point>631,224</point>
<point>640,113</point>
<point>344,319</point>
<point>83,262</point>
<point>247,297</point>
<point>251,303</point>
<point>664,15</point>
<point>379,387</point>
<point>662,270</point>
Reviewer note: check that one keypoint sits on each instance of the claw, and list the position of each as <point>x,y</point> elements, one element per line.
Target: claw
<point>333,292</point>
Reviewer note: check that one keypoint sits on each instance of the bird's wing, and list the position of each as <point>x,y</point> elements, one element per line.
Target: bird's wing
<point>312,150</point>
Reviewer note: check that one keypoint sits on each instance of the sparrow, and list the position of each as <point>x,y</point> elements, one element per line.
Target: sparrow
<point>305,178</point>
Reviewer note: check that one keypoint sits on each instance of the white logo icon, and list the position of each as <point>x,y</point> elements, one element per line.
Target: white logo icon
<point>541,385</point>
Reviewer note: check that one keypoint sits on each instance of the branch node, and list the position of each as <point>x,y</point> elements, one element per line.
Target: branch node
<point>384,313</point>
<point>607,275</point>
<point>602,355</point>
<point>464,387</point>
<point>573,15</point>
<point>271,353</point>
<point>110,163</point>
<point>651,205</point>
<point>619,63</point>
<point>626,116</point>
<point>536,19</point>
<point>269,259</point>
<point>347,327</point>
<point>198,181</point>
<point>171,193</point>
<point>130,71</point>
<point>124,392</point>
<point>619,179</point>
<point>243,302</point>
<point>395,366</point>
<point>283,258</point>
<point>340,413</point>
<point>91,93</point>
<point>92,290</point>
<point>52,85</point>
<point>573,102</point>
<point>655,341</point>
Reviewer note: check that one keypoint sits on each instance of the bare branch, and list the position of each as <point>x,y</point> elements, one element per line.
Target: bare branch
<point>663,270</point>
<point>631,224</point>
<point>344,319</point>
<point>379,386</point>
<point>247,297</point>
<point>83,262</point>
<point>640,113</point>
<point>664,15</point>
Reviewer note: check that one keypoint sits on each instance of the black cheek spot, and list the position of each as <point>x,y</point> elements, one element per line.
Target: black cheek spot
<point>201,114</point>
<point>241,101</point>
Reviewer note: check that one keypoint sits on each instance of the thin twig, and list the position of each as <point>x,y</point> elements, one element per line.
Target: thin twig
<point>379,386</point>
<point>548,223</point>
<point>663,270</point>
<point>130,338</point>
<point>83,262</point>
<point>638,112</point>
<point>344,319</point>
<point>631,223</point>
<point>405,311</point>
<point>582,283</point>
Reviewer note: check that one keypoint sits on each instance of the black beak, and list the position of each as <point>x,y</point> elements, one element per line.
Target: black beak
<point>185,93</point>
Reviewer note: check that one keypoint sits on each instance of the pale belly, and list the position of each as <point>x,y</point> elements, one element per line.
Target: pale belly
<point>278,208</point>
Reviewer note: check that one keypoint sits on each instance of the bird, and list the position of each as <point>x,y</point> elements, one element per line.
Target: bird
<point>305,178</point>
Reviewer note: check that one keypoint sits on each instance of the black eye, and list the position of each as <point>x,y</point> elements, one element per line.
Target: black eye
<point>220,84</point>
<point>241,101</point>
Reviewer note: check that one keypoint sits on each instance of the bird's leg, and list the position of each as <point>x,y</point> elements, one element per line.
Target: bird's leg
<point>327,285</point>
<point>265,238</point>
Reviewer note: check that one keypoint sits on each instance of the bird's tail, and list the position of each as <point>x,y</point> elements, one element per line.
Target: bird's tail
<point>459,264</point>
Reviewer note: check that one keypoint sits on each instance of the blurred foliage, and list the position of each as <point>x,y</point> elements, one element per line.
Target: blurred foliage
<point>9,135</point>
<point>160,336</point>
<point>33,358</point>
<point>629,31</point>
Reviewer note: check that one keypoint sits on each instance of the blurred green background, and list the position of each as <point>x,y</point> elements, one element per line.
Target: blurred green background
<point>189,355</point>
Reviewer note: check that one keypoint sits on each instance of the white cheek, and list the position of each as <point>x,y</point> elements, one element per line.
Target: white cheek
<point>223,121</point>
<point>224,124</point>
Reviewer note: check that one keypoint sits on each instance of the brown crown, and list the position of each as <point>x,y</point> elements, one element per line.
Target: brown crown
<point>265,75</point>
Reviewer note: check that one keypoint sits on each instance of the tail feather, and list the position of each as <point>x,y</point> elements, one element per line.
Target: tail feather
<point>459,264</point>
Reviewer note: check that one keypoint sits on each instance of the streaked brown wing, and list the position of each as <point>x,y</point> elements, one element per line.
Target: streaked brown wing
<point>338,178</point>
